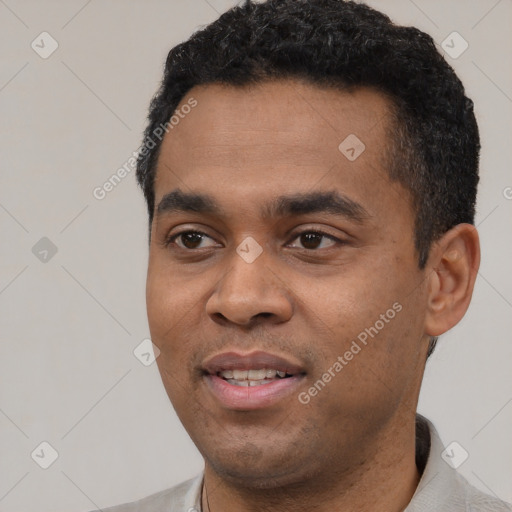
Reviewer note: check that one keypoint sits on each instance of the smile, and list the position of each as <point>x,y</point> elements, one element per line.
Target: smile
<point>252,377</point>
<point>251,381</point>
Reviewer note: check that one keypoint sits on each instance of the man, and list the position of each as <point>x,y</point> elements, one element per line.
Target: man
<point>310,171</point>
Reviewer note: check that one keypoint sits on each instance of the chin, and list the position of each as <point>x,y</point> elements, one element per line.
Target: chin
<point>264,479</point>
<point>252,467</point>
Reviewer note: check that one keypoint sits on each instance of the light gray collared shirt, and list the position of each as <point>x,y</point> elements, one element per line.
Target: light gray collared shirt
<point>441,488</point>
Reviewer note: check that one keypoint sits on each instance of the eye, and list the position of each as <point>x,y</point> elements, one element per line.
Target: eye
<point>313,240</point>
<point>191,240</point>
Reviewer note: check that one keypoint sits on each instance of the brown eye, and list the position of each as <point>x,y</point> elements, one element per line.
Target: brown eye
<point>191,240</point>
<point>312,240</point>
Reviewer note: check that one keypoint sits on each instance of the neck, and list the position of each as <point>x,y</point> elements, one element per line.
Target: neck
<point>384,480</point>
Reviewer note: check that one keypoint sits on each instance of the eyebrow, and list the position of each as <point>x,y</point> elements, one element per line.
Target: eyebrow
<point>330,202</point>
<point>317,202</point>
<point>178,201</point>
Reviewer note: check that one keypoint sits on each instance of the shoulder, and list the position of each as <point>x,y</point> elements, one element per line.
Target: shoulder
<point>477,501</point>
<point>181,497</point>
<point>441,487</point>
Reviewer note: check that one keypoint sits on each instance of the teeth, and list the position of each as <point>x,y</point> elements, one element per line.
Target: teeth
<point>257,374</point>
<point>247,383</point>
<point>251,375</point>
<point>259,382</point>
<point>244,383</point>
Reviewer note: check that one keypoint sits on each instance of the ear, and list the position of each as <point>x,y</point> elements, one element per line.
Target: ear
<point>452,269</point>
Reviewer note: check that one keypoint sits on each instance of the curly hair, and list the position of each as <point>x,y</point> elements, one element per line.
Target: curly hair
<point>433,134</point>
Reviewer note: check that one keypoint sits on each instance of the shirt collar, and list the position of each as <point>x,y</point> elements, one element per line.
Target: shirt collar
<point>439,485</point>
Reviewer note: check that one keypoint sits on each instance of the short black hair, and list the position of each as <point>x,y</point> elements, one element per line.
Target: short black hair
<point>434,139</point>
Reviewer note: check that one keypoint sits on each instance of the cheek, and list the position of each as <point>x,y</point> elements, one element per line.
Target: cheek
<point>348,301</point>
<point>172,306</point>
<point>170,315</point>
<point>372,321</point>
<point>169,293</point>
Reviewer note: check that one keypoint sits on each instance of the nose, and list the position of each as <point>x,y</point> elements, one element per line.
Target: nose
<point>249,293</point>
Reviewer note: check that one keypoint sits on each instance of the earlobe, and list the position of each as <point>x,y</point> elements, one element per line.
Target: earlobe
<point>452,267</point>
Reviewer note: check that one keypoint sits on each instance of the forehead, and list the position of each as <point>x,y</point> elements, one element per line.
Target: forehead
<point>275,132</point>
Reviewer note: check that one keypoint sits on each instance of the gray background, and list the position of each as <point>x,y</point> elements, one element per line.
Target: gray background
<point>69,325</point>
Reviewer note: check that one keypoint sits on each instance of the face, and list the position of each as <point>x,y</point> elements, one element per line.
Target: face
<point>283,285</point>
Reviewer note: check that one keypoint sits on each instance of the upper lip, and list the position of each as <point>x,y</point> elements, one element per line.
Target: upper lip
<point>251,361</point>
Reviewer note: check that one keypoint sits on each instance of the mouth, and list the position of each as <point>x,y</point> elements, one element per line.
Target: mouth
<point>251,381</point>
<point>250,378</point>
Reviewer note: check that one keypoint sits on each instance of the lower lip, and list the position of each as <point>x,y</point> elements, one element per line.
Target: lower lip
<point>248,398</point>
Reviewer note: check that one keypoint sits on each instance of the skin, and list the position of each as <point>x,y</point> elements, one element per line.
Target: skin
<point>307,298</point>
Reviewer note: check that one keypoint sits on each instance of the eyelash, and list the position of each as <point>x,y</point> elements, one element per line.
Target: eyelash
<point>171,239</point>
